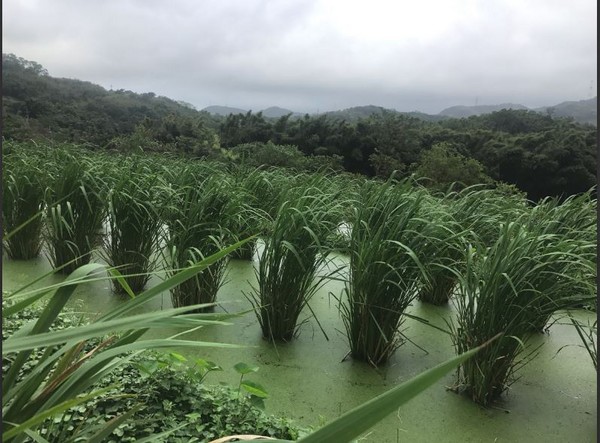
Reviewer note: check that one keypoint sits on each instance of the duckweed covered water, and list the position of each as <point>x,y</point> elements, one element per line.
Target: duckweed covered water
<point>312,380</point>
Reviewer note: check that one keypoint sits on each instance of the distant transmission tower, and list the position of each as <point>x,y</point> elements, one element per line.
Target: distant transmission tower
<point>591,89</point>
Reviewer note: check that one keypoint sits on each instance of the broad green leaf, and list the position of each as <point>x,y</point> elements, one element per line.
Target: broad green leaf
<point>177,357</point>
<point>254,389</point>
<point>243,368</point>
<point>208,365</point>
<point>110,426</point>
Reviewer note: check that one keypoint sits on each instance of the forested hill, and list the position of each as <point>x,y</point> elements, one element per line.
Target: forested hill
<point>542,154</point>
<point>36,104</point>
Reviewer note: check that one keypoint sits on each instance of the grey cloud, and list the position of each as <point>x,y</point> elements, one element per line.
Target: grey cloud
<point>255,54</point>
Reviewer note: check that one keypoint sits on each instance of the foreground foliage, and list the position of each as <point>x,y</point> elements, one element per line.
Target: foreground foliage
<point>67,369</point>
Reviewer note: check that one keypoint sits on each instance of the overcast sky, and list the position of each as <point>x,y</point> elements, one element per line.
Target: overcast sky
<point>317,55</point>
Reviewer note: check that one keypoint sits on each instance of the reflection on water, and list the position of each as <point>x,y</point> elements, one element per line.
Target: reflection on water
<point>310,379</point>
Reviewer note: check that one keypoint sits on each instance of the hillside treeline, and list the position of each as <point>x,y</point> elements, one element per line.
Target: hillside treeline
<point>541,155</point>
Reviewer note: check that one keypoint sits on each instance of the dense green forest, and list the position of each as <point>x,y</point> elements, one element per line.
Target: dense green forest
<point>542,155</point>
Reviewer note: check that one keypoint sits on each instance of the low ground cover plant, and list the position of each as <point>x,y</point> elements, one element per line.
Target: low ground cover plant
<point>65,373</point>
<point>165,393</point>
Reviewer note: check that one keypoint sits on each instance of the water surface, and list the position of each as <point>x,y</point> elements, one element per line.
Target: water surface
<point>311,380</point>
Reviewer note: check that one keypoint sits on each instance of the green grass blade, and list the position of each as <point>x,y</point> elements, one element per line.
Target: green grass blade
<point>35,436</point>
<point>151,319</point>
<point>110,426</point>
<point>39,418</point>
<point>119,277</point>
<point>171,282</point>
<point>21,226</point>
<point>46,318</point>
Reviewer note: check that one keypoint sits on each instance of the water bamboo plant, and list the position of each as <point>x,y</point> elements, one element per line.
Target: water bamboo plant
<point>134,223</point>
<point>388,238</point>
<point>446,246</point>
<point>75,211</point>
<point>571,226</point>
<point>195,220</point>
<point>23,187</point>
<point>247,216</point>
<point>288,269</point>
<point>503,290</point>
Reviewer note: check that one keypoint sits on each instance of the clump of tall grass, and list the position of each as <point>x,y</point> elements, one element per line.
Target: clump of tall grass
<point>74,214</point>
<point>246,218</point>
<point>268,188</point>
<point>476,211</point>
<point>387,239</point>
<point>503,289</point>
<point>482,210</point>
<point>23,187</point>
<point>345,189</point>
<point>288,269</point>
<point>134,222</point>
<point>195,219</point>
<point>572,225</point>
<point>446,246</point>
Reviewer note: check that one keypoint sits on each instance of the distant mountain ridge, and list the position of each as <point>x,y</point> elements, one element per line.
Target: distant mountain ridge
<point>223,110</point>
<point>277,112</point>
<point>271,112</point>
<point>581,111</point>
<point>467,111</point>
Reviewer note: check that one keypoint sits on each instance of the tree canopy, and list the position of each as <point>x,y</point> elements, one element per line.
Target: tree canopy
<point>541,154</point>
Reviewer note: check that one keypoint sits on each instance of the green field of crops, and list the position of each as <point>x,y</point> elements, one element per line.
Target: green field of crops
<point>385,255</point>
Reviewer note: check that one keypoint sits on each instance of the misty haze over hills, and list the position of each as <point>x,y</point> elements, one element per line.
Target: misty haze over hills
<point>582,111</point>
